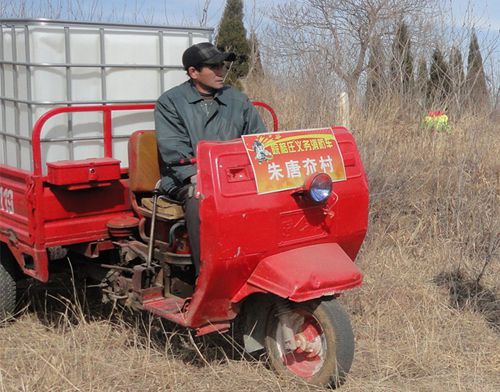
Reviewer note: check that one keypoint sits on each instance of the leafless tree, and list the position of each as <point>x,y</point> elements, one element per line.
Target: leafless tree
<point>204,13</point>
<point>54,9</point>
<point>338,32</point>
<point>253,22</point>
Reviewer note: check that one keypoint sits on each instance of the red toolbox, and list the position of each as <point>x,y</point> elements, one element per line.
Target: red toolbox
<point>84,173</point>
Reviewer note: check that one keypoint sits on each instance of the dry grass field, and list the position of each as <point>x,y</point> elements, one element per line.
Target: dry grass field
<point>427,317</point>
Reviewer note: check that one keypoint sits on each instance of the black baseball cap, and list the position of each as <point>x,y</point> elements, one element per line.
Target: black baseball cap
<point>205,53</point>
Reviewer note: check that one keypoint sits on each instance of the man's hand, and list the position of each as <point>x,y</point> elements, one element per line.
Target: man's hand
<point>193,179</point>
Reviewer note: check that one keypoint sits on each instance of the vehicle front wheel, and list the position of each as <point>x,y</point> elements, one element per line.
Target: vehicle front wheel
<point>7,288</point>
<point>312,341</point>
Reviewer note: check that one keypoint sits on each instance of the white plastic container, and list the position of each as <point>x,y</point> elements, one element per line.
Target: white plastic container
<point>46,64</point>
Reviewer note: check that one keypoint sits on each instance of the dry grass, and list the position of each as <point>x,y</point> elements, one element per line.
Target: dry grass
<point>426,319</point>
<point>428,315</point>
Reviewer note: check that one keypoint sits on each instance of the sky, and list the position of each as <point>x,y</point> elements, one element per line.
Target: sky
<point>485,13</point>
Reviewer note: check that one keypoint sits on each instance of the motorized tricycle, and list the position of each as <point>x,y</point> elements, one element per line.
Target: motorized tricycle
<point>278,239</point>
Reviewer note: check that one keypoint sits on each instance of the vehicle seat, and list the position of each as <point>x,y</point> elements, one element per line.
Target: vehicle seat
<point>144,174</point>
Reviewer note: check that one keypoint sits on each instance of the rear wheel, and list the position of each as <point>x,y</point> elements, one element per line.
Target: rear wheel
<point>7,287</point>
<point>312,341</point>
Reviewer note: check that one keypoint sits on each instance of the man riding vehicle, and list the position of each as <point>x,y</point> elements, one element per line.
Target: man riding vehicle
<point>202,108</point>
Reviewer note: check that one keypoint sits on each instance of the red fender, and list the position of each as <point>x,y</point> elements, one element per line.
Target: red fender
<point>303,274</point>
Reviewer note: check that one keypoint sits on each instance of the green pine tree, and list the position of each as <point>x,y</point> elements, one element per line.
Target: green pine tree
<point>402,60</point>
<point>475,82</point>
<point>457,76</point>
<point>376,77</point>
<point>232,36</point>
<point>439,86</point>
<point>421,81</point>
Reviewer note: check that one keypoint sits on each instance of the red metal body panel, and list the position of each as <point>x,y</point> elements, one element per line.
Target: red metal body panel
<point>20,215</point>
<point>74,216</point>
<point>72,203</point>
<point>241,229</point>
<point>60,209</point>
<point>303,273</point>
<point>248,241</point>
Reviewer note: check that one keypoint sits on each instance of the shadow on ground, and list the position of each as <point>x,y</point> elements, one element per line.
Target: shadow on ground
<point>466,293</point>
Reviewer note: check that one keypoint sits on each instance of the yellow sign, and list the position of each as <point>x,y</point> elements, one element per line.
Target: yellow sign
<point>284,160</point>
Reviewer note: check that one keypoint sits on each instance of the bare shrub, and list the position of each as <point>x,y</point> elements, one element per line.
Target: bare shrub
<point>337,33</point>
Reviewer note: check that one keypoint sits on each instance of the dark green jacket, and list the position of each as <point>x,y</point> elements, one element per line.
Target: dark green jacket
<point>183,118</point>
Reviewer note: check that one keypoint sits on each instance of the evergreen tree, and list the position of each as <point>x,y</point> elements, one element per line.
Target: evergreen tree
<point>402,60</point>
<point>439,82</point>
<point>457,76</point>
<point>375,79</point>
<point>232,37</point>
<point>421,81</point>
<point>475,82</point>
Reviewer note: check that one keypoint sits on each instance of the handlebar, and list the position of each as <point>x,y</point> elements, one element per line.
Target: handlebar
<point>181,162</point>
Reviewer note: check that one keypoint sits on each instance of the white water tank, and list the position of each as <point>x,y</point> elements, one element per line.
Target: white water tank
<point>47,63</point>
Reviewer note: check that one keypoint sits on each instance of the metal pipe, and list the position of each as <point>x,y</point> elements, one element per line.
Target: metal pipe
<point>2,91</point>
<point>108,134</point>
<point>28,78</point>
<point>37,128</point>
<point>17,125</point>
<point>116,267</point>
<point>63,139</point>
<point>270,110</point>
<point>98,102</point>
<point>89,65</point>
<point>44,21</point>
<point>151,243</point>
<point>162,61</point>
<point>69,92</point>
<point>12,136</point>
<point>103,61</point>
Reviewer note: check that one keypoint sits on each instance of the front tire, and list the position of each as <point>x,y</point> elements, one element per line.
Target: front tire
<point>323,347</point>
<point>7,287</point>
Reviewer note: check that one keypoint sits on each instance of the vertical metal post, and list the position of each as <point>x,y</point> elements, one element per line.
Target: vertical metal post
<point>108,134</point>
<point>69,91</point>
<point>2,91</point>
<point>17,125</point>
<point>28,82</point>
<point>162,62</point>
<point>151,244</point>
<point>104,94</point>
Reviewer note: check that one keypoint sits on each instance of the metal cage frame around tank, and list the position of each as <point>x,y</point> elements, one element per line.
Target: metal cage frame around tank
<point>104,66</point>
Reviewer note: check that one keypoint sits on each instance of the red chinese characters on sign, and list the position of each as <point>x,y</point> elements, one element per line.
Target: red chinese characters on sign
<point>284,160</point>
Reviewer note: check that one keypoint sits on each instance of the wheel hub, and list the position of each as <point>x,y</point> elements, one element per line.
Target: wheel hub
<point>302,344</point>
<point>312,347</point>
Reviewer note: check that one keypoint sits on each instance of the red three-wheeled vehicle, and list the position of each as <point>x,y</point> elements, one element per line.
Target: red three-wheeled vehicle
<point>276,257</point>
